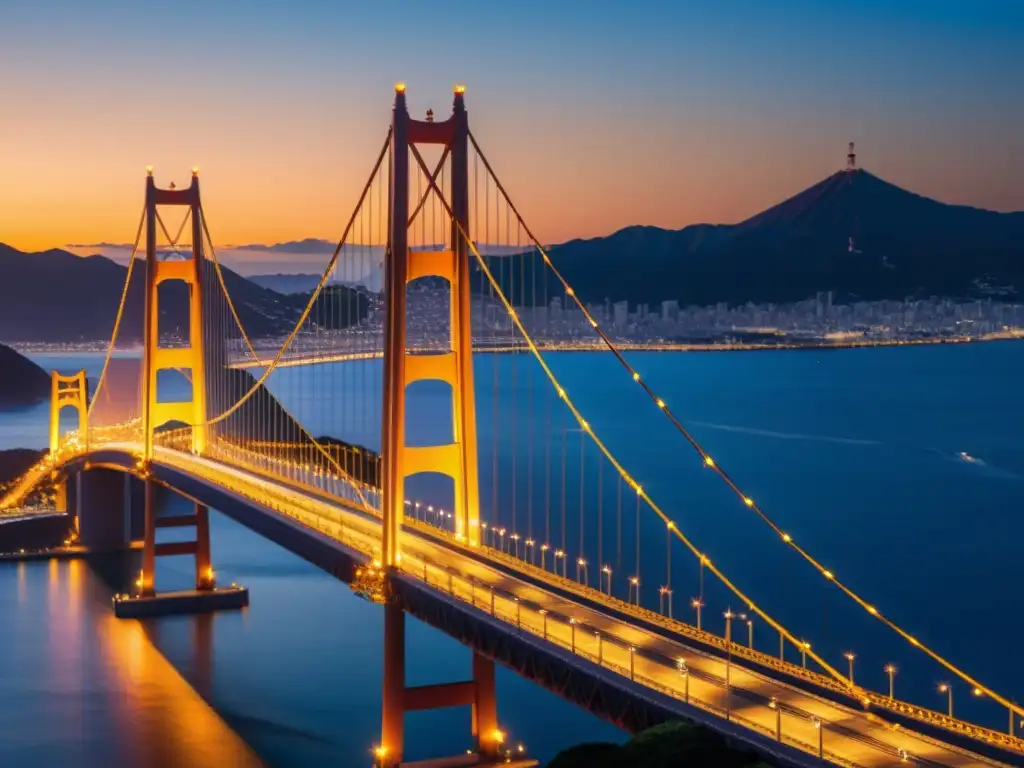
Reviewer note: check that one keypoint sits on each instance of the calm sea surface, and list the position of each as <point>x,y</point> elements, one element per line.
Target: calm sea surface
<point>855,453</point>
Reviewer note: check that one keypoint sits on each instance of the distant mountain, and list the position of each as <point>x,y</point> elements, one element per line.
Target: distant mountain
<point>282,283</point>
<point>55,296</point>
<point>22,382</point>
<point>309,245</point>
<point>852,233</point>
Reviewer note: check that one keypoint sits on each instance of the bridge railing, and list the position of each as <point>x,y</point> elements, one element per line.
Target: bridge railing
<point>791,724</point>
<point>676,627</point>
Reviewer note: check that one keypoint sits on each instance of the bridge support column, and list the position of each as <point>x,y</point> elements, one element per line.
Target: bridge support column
<point>458,459</point>
<point>69,392</point>
<point>60,487</point>
<point>204,568</point>
<point>147,578</point>
<point>151,549</point>
<point>205,596</point>
<point>192,358</point>
<point>479,693</point>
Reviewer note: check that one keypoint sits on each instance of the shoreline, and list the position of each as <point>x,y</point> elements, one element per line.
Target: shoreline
<point>597,346</point>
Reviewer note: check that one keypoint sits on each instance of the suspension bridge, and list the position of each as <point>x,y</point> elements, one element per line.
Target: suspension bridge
<point>515,525</point>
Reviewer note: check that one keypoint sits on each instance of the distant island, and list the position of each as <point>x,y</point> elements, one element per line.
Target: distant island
<point>22,382</point>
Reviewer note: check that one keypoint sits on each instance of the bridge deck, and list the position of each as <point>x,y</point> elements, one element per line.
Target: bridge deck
<point>843,734</point>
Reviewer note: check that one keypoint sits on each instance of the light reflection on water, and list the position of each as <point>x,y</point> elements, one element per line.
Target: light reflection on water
<point>82,688</point>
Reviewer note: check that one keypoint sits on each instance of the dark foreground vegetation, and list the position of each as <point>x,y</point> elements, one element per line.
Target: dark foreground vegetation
<point>669,745</point>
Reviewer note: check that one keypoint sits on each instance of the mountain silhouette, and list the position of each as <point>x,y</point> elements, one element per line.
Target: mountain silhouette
<point>55,296</point>
<point>22,381</point>
<point>852,233</point>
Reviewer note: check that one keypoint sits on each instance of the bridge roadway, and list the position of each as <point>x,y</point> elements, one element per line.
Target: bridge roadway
<point>599,636</point>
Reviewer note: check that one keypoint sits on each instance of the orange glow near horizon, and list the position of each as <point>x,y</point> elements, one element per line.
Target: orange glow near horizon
<point>686,127</point>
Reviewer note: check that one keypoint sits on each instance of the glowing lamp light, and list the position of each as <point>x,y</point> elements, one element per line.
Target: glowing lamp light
<point>498,736</point>
<point>460,89</point>
<point>399,87</point>
<point>149,170</point>
<point>195,170</point>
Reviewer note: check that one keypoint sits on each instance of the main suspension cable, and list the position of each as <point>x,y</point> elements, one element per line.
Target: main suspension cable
<point>120,314</point>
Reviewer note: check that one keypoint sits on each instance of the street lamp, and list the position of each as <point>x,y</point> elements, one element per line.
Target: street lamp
<point>581,567</point>
<point>697,604</point>
<point>486,530</point>
<point>501,532</point>
<point>544,555</point>
<point>606,570</point>
<point>947,689</point>
<point>530,553</point>
<point>820,730</point>
<point>774,704</point>
<point>515,538</point>
<point>544,615</point>
<point>804,648</point>
<point>665,598</point>
<point>634,588</point>
<point>850,656</point>
<point>750,629</point>
<point>560,555</point>
<point>572,629</point>
<point>684,672</point>
<point>890,670</point>
<point>728,648</point>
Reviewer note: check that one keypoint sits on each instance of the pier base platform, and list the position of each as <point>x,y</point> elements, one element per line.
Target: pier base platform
<point>184,601</point>
<point>472,761</point>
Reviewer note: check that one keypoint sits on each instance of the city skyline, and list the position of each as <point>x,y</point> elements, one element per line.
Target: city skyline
<point>657,116</point>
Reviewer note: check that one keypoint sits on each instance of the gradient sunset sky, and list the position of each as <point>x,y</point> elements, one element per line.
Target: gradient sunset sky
<point>596,114</point>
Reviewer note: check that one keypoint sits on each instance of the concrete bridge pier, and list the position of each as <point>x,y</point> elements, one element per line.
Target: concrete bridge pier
<point>102,504</point>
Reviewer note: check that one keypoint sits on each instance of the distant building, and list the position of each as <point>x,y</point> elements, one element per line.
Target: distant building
<point>556,308</point>
<point>670,311</point>
<point>620,314</point>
